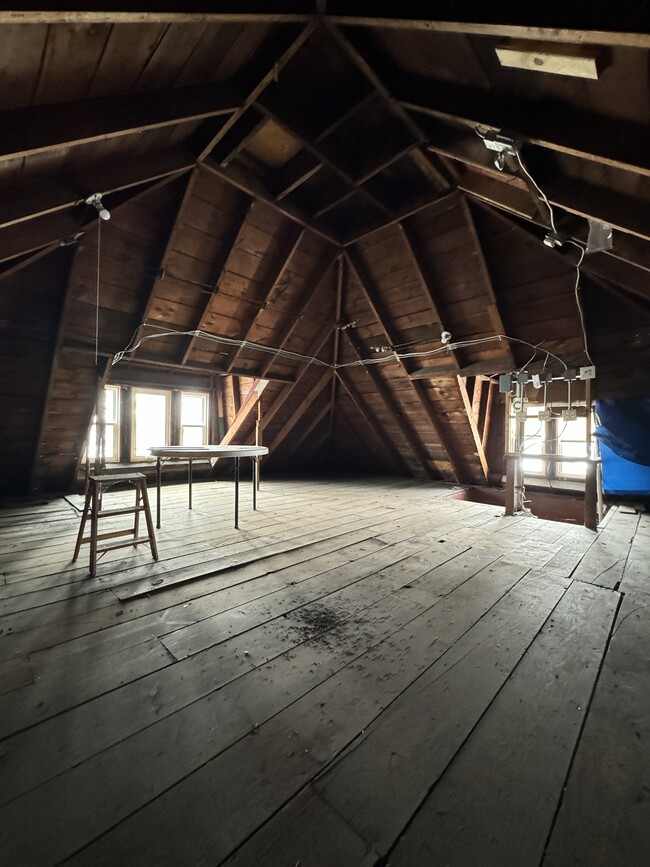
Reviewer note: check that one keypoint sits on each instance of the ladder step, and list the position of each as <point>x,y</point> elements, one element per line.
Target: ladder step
<point>127,510</point>
<point>112,546</point>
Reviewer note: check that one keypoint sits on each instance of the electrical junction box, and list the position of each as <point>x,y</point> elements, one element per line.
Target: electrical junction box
<point>502,144</point>
<point>588,372</point>
<point>544,415</point>
<point>569,414</point>
<point>570,375</point>
<point>505,383</point>
<point>537,382</point>
<point>522,377</point>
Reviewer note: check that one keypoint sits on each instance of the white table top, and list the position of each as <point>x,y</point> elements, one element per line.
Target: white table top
<point>208,451</point>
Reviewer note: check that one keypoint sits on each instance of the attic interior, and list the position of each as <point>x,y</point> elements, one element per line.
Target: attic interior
<point>408,258</point>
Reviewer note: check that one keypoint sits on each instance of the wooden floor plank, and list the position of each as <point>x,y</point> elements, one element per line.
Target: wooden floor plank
<point>355,652</point>
<point>496,802</point>
<point>152,761</point>
<point>603,817</point>
<point>604,562</point>
<point>376,785</point>
<point>294,745</point>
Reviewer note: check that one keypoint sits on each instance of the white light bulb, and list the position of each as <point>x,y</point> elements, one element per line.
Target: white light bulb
<point>104,214</point>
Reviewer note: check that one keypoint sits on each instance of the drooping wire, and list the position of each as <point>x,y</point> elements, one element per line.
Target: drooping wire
<point>541,192</point>
<point>576,292</point>
<point>295,356</point>
<point>99,256</point>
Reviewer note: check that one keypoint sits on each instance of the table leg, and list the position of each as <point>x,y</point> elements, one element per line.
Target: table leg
<point>236,493</point>
<point>254,475</point>
<point>158,474</point>
<point>189,479</point>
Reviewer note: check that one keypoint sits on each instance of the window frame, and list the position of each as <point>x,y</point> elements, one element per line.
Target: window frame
<point>550,444</point>
<point>167,394</point>
<point>205,427</point>
<point>115,426</point>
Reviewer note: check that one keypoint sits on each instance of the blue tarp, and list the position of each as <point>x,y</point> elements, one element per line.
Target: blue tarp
<point>624,436</point>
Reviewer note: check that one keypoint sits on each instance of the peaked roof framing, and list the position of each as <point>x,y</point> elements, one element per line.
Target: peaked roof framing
<point>238,178</point>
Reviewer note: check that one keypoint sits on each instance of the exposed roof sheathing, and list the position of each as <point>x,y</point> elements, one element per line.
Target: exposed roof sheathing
<point>308,177</point>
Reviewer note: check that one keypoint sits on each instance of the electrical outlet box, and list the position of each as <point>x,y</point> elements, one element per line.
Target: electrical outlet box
<point>569,414</point>
<point>544,415</point>
<point>588,372</point>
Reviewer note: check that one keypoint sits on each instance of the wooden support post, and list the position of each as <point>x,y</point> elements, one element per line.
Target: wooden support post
<point>469,409</point>
<point>488,413</point>
<point>258,442</point>
<point>477,396</point>
<point>591,496</point>
<point>511,469</point>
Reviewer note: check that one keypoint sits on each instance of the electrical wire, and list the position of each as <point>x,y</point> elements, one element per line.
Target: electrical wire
<point>295,356</point>
<point>576,292</point>
<point>541,192</point>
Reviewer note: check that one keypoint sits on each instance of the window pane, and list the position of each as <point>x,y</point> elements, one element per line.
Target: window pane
<point>112,395</point>
<point>192,436</point>
<point>573,430</point>
<point>193,409</point>
<point>110,443</point>
<point>531,465</point>
<point>150,419</point>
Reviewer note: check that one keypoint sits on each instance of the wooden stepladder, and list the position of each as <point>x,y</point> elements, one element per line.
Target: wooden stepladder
<point>93,512</point>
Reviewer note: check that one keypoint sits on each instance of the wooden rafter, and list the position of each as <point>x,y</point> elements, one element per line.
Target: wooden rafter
<point>559,128</point>
<point>169,246</point>
<point>47,197</point>
<point>39,129</point>
<point>304,435</point>
<point>496,27</point>
<point>271,57</point>
<point>251,185</point>
<point>301,409</point>
<point>310,292</point>
<point>319,343</point>
<point>382,318</point>
<point>414,256</point>
<point>337,338</point>
<point>395,410</point>
<point>248,404</point>
<point>230,244</point>
<point>289,249</point>
<point>373,423</point>
<point>354,186</point>
<point>493,307</point>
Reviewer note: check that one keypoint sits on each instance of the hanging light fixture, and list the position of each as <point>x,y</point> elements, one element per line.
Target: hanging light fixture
<point>96,201</point>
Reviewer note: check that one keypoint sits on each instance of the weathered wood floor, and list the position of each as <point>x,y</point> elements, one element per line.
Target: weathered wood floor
<point>367,673</point>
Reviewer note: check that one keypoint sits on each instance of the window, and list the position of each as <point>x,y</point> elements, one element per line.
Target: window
<point>151,417</point>
<point>553,436</point>
<point>194,419</point>
<point>571,441</point>
<point>150,421</point>
<point>112,430</point>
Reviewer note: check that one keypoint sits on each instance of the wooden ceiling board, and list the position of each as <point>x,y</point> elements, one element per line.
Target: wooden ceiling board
<point>227,257</point>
